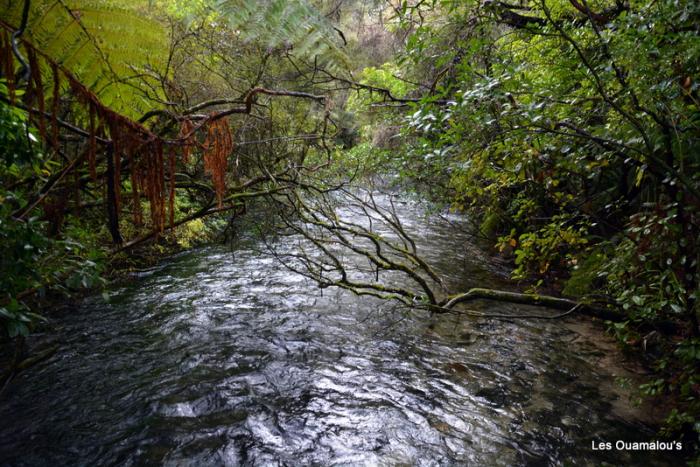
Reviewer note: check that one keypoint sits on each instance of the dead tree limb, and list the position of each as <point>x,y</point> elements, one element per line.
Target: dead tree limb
<point>337,230</point>
<point>528,299</point>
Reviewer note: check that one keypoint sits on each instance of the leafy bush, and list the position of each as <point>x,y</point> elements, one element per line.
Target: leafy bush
<point>29,259</point>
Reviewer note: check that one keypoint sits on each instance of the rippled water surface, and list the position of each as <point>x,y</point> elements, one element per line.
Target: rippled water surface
<point>225,358</point>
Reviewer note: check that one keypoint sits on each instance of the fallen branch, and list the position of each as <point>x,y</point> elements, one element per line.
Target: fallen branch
<point>203,212</point>
<point>477,314</point>
<point>34,200</point>
<point>528,299</point>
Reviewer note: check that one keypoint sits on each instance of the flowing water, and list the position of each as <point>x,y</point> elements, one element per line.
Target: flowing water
<point>221,357</point>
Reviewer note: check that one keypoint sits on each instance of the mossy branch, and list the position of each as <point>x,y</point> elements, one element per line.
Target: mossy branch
<point>548,301</point>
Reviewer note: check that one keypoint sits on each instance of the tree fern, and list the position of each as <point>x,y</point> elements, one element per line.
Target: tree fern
<point>110,46</point>
<point>292,23</point>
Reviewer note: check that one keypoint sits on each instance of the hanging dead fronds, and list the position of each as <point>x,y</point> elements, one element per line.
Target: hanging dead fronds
<point>159,218</point>
<point>171,174</point>
<point>217,147</point>
<point>38,86</point>
<point>133,151</point>
<point>188,138</point>
<point>115,134</point>
<point>8,64</point>
<point>92,144</point>
<point>136,190</point>
<point>54,104</point>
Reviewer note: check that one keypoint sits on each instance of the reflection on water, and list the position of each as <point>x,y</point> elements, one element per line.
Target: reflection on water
<point>220,358</point>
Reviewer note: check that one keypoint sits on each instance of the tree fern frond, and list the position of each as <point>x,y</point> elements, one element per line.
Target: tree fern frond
<point>101,41</point>
<point>294,23</point>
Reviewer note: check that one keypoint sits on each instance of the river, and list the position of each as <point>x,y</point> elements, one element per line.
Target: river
<point>222,357</point>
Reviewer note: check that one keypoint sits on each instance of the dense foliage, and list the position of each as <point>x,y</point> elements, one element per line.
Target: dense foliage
<point>571,132</point>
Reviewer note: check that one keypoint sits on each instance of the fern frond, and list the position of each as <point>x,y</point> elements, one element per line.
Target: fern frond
<point>292,23</point>
<point>103,43</point>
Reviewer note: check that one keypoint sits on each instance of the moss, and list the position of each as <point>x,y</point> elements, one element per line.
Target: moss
<point>583,278</point>
<point>490,223</point>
